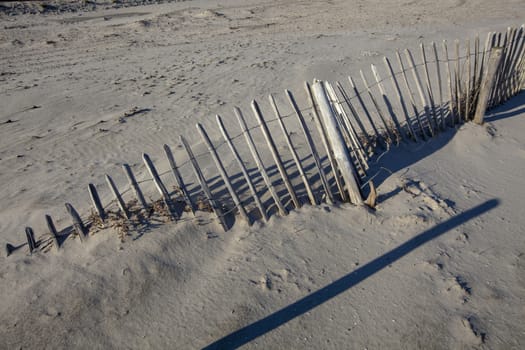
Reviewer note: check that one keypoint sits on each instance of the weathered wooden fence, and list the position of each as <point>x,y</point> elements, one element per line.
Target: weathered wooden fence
<point>342,124</point>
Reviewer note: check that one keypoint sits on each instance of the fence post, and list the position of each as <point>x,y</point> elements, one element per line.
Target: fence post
<point>338,145</point>
<point>486,84</point>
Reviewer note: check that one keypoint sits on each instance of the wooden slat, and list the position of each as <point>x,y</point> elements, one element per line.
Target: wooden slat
<point>96,201</point>
<point>53,231</point>
<point>275,154</point>
<point>399,94</point>
<point>451,94</point>
<point>419,87</point>
<point>259,162</point>
<point>135,186</point>
<point>295,156</point>
<point>354,113</point>
<point>78,225</point>
<point>31,243</point>
<point>118,196</point>
<point>244,171</point>
<point>365,109</point>
<point>222,172</point>
<point>204,186</point>
<point>158,183</point>
<point>457,75</point>
<point>430,93</point>
<point>467,80</point>
<point>311,145</point>
<point>377,107</point>
<point>390,108</point>
<point>411,96</point>
<point>440,86</point>
<point>178,179</point>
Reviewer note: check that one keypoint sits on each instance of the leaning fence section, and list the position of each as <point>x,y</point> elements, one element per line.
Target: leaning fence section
<point>407,99</point>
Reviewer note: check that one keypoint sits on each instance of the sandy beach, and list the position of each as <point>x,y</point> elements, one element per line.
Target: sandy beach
<point>88,86</point>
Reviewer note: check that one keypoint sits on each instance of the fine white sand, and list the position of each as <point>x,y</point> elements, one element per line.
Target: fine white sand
<point>439,265</point>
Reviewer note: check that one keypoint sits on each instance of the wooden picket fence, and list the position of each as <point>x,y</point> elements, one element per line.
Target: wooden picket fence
<point>343,126</point>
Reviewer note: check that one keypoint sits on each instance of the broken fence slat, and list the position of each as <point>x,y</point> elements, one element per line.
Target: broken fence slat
<point>52,230</point>
<point>96,201</point>
<point>259,162</point>
<point>135,186</point>
<point>204,186</point>
<point>311,145</point>
<point>78,225</point>
<point>222,172</point>
<point>275,154</point>
<point>178,178</point>
<point>244,171</point>
<point>118,196</point>
<point>295,156</point>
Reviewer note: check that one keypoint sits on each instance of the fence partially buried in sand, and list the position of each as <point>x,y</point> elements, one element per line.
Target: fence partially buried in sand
<point>342,128</point>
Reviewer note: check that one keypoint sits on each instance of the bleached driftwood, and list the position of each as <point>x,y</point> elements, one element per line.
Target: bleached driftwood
<point>337,144</point>
<point>487,82</point>
<point>329,152</point>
